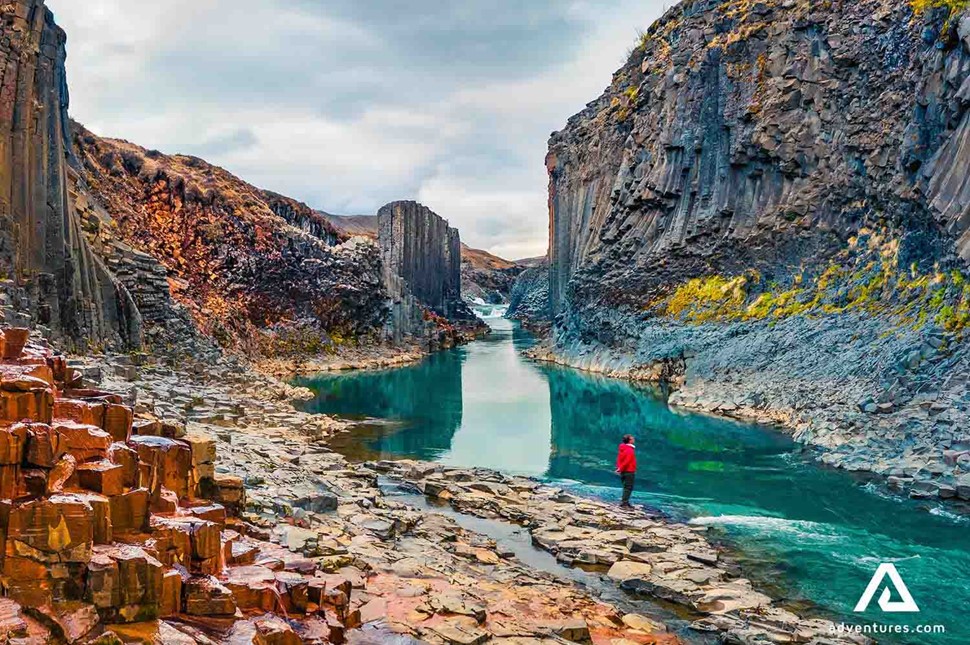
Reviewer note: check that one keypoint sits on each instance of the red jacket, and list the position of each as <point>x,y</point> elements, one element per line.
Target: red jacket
<point>626,459</point>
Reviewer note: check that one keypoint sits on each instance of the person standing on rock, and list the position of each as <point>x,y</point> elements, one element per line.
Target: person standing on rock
<point>626,468</point>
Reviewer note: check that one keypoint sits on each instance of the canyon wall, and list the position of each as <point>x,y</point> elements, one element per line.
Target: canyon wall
<point>252,269</point>
<point>769,207</point>
<point>51,276</point>
<point>420,248</point>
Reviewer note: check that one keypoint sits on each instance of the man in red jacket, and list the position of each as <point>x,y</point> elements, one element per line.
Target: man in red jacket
<point>626,467</point>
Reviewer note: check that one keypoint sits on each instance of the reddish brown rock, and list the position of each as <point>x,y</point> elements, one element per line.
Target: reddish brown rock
<point>196,543</point>
<point>48,544</point>
<point>117,421</point>
<point>61,474</point>
<point>242,552</point>
<point>14,340</point>
<point>127,458</point>
<point>69,621</point>
<point>13,444</point>
<point>147,427</point>
<point>264,630</point>
<point>12,623</point>
<point>24,378</point>
<point>102,477</point>
<point>169,461</point>
<point>32,406</point>
<point>253,587</point>
<point>165,502</point>
<point>215,513</point>
<point>171,600</point>
<point>85,442</point>
<point>42,450</point>
<point>35,481</point>
<point>125,583</point>
<point>293,589</point>
<point>205,596</point>
<point>101,506</point>
<point>82,412</point>
<point>129,511</point>
<point>58,529</point>
<point>12,484</point>
<point>228,490</point>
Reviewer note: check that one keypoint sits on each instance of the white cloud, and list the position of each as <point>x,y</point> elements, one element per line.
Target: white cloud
<point>347,105</point>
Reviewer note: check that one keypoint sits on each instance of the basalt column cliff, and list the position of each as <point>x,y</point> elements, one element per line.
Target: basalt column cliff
<point>769,207</point>
<point>51,277</point>
<point>421,259</point>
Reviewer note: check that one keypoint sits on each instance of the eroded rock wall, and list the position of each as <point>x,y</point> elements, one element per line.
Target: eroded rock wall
<point>772,197</point>
<point>419,247</point>
<point>253,269</point>
<point>763,135</point>
<point>42,249</point>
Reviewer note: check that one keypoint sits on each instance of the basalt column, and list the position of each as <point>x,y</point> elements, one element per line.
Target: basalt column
<point>43,254</point>
<point>421,258</point>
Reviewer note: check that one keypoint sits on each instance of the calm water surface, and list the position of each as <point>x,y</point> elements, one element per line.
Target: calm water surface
<point>811,533</point>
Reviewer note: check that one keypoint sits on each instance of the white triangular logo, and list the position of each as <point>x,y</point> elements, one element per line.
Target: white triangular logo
<point>887,569</point>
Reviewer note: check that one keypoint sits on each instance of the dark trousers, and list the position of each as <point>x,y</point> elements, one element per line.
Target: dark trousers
<point>627,479</point>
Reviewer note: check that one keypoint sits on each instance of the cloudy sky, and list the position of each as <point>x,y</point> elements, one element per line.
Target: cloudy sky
<point>349,104</point>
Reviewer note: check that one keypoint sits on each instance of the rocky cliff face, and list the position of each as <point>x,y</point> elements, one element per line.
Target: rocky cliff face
<point>419,247</point>
<point>237,258</point>
<point>483,276</point>
<point>421,260</point>
<point>529,296</point>
<point>769,205</point>
<point>51,276</point>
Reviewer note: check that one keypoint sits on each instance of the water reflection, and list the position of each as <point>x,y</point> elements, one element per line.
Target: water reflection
<point>819,532</point>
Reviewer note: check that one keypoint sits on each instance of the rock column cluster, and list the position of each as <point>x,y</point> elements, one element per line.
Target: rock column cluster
<point>42,247</point>
<point>421,262</point>
<point>109,520</point>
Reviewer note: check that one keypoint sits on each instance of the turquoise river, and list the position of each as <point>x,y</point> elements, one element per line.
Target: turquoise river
<point>810,535</point>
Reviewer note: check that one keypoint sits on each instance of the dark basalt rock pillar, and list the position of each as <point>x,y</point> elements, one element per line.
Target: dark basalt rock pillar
<point>42,249</point>
<point>421,258</point>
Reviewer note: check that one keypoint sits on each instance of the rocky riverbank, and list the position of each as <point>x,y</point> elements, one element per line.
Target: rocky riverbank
<point>824,380</point>
<point>356,358</point>
<point>416,573</point>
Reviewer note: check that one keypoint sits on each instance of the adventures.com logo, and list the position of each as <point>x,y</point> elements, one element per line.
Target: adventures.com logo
<point>888,579</point>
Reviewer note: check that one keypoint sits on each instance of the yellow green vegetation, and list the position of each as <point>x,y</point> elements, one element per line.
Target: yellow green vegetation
<point>955,6</point>
<point>878,287</point>
<point>627,101</point>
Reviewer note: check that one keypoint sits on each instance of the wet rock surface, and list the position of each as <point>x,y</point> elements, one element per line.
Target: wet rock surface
<point>644,554</point>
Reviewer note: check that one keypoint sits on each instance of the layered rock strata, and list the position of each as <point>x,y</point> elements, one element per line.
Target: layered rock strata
<point>767,208</point>
<point>43,253</point>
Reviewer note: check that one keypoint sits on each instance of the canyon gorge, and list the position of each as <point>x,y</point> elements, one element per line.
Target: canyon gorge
<point>767,210</point>
<point>228,416</point>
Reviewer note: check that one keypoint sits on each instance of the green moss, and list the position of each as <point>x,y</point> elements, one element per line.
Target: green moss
<point>875,287</point>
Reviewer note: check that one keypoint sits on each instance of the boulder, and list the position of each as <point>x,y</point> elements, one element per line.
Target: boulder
<point>206,596</point>
<point>125,583</point>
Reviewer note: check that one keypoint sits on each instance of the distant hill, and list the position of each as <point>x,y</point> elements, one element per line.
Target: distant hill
<point>363,225</point>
